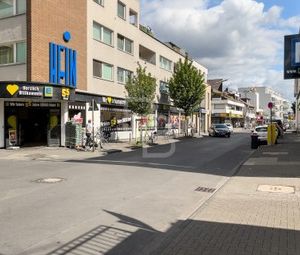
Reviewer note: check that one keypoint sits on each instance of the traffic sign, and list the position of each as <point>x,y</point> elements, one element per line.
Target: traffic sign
<point>270,105</point>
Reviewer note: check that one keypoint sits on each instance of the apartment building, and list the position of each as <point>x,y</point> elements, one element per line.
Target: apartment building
<point>261,96</point>
<point>227,107</point>
<point>56,57</point>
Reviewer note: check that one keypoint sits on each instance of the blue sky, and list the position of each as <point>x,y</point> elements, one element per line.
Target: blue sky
<point>240,40</point>
<point>290,7</point>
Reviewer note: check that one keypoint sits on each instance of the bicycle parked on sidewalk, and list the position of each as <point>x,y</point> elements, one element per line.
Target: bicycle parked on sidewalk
<point>151,139</point>
<point>170,134</point>
<point>103,137</point>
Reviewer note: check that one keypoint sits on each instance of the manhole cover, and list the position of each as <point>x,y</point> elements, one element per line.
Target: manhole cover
<point>276,189</point>
<point>50,180</point>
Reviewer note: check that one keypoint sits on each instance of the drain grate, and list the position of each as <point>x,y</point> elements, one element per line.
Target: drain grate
<point>205,189</point>
<point>49,180</point>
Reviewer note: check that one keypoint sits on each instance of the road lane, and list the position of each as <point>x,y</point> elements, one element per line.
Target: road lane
<point>129,195</point>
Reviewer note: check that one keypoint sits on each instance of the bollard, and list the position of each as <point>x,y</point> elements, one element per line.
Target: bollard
<point>254,141</point>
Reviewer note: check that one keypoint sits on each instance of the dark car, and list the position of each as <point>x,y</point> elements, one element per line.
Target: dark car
<point>219,130</point>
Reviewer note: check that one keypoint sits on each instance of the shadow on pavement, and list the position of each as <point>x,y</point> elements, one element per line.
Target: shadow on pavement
<point>187,237</point>
<point>203,155</point>
<point>195,155</point>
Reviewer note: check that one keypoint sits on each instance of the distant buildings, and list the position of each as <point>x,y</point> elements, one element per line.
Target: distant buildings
<point>230,106</point>
<point>248,106</point>
<point>261,96</point>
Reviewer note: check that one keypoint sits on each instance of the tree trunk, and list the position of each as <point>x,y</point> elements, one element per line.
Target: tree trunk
<point>186,125</point>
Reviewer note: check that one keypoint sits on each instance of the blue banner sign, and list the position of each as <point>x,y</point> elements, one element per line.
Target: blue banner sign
<point>63,64</point>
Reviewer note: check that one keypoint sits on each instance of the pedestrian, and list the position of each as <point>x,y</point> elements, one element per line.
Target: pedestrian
<point>88,132</point>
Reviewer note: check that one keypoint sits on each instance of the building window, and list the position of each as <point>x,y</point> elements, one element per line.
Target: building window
<point>102,34</point>
<point>13,53</point>
<point>165,63</point>
<point>21,52</point>
<point>7,54</point>
<point>121,10</point>
<point>102,70</point>
<point>12,7</point>
<point>101,2</point>
<point>21,6</point>
<point>163,87</point>
<point>6,8</point>
<point>124,75</point>
<point>219,106</point>
<point>125,44</point>
<point>133,18</point>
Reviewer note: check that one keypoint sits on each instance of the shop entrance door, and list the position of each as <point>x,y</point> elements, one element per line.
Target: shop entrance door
<point>33,124</point>
<point>29,124</point>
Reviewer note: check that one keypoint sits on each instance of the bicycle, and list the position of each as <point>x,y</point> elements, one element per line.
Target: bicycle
<point>170,134</point>
<point>103,137</point>
<point>152,138</point>
<point>89,143</point>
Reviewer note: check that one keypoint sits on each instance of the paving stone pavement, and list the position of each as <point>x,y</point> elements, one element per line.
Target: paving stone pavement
<point>241,220</point>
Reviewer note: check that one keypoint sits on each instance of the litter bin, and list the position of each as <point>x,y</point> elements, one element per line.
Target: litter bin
<point>254,141</point>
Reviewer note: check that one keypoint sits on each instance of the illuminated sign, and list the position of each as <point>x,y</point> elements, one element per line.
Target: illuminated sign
<point>48,92</point>
<point>292,56</point>
<point>33,91</point>
<point>65,93</point>
<point>63,64</point>
<point>12,88</point>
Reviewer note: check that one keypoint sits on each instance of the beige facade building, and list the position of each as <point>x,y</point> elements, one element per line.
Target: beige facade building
<point>58,56</point>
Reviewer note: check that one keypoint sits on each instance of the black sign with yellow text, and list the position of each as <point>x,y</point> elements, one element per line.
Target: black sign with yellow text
<point>30,90</point>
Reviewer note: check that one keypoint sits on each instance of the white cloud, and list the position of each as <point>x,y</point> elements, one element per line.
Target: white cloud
<point>235,39</point>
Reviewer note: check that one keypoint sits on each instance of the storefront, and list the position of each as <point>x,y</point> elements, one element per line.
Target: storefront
<point>169,117</point>
<point>77,112</point>
<point>234,119</point>
<point>32,113</point>
<point>115,118</point>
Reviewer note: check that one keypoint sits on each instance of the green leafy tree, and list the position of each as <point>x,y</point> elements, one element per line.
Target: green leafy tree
<point>141,92</point>
<point>187,87</point>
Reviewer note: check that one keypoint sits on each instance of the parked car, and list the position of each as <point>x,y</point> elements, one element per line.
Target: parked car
<point>229,125</point>
<point>219,130</point>
<point>262,133</point>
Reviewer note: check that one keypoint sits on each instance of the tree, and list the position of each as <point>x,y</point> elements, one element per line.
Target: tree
<point>187,87</point>
<point>141,92</point>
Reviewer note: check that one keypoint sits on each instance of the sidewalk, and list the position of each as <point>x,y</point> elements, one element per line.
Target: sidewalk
<point>256,212</point>
<point>64,154</point>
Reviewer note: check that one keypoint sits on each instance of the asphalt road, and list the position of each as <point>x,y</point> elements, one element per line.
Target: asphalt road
<point>117,204</point>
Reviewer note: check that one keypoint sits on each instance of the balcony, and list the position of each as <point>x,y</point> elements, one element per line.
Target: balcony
<point>147,55</point>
